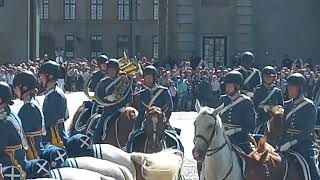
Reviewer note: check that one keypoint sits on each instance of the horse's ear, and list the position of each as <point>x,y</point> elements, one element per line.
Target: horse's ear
<point>217,110</point>
<point>197,106</point>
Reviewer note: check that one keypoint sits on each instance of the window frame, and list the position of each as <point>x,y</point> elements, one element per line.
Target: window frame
<point>122,6</point>
<point>97,4</point>
<point>155,6</point>
<point>42,8</point>
<point>97,53</point>
<point>65,46</point>
<point>119,45</point>
<point>217,47</point>
<point>70,4</point>
<point>155,46</point>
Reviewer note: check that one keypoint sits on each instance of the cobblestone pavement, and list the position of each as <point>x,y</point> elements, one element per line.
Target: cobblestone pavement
<point>183,120</point>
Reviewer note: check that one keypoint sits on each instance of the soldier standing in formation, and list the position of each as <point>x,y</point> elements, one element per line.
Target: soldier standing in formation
<point>54,107</point>
<point>25,84</point>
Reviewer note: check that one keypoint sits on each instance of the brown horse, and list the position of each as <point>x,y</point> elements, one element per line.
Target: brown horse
<point>117,131</point>
<point>264,164</point>
<point>156,134</point>
<point>275,125</point>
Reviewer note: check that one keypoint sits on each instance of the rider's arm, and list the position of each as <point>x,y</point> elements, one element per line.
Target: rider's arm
<point>54,109</point>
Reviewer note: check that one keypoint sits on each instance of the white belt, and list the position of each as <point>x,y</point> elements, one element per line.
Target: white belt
<point>233,131</point>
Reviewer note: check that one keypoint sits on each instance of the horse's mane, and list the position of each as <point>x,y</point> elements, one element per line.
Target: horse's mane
<point>162,165</point>
<point>265,153</point>
<point>208,111</point>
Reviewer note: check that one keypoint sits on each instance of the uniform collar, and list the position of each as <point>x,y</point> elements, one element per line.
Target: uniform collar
<point>246,70</point>
<point>155,87</point>
<point>51,85</point>
<point>268,86</point>
<point>235,96</point>
<point>299,99</point>
<point>26,98</point>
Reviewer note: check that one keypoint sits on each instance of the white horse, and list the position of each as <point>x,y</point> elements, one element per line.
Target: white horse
<point>212,147</point>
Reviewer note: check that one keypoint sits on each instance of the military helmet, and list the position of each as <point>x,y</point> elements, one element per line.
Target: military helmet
<point>113,63</point>
<point>150,70</point>
<point>234,77</point>
<point>25,78</point>
<point>296,79</point>
<point>247,58</point>
<point>269,70</point>
<point>50,68</point>
<point>102,59</point>
<point>6,93</point>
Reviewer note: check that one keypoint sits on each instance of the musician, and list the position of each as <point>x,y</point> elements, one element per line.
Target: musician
<point>13,143</point>
<point>25,84</point>
<point>299,122</point>
<point>116,93</point>
<point>97,76</point>
<point>54,107</point>
<point>153,95</point>
<point>252,76</point>
<point>238,115</point>
<point>266,96</point>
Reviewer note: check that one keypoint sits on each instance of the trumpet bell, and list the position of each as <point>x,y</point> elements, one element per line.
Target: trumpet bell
<point>132,68</point>
<point>124,60</point>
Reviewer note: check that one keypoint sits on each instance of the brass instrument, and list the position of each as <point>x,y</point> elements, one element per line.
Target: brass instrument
<point>124,60</point>
<point>121,86</point>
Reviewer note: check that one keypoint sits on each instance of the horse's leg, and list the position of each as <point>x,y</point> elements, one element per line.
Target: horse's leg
<point>199,167</point>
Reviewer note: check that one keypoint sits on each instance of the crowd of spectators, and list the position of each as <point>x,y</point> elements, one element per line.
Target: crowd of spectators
<point>185,82</point>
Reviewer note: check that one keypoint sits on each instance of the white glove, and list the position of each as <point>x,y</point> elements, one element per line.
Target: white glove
<point>111,98</point>
<point>287,145</point>
<point>250,94</point>
<point>266,108</point>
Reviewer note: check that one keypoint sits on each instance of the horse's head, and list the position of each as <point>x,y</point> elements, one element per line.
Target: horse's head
<point>155,124</point>
<point>207,125</point>
<point>261,162</point>
<point>275,124</point>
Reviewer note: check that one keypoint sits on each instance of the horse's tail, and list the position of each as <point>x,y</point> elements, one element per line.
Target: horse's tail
<point>76,115</point>
<point>126,173</point>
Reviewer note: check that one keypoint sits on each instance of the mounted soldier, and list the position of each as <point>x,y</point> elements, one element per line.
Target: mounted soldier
<point>251,75</point>
<point>266,96</point>
<point>13,142</point>
<point>153,95</point>
<point>96,77</point>
<point>25,84</point>
<point>55,110</point>
<point>114,93</point>
<point>299,123</point>
<point>238,115</point>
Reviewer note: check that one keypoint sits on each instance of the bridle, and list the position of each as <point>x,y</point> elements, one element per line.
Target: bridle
<point>211,152</point>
